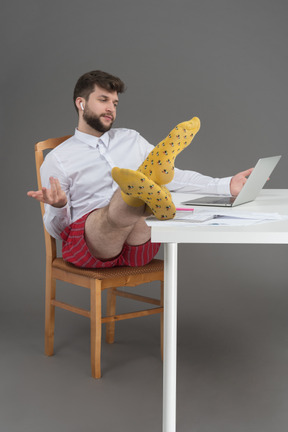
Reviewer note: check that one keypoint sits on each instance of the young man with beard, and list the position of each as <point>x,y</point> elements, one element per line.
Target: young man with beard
<point>100,224</point>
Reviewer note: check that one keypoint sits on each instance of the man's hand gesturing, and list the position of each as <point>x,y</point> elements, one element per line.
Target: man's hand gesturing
<point>54,196</point>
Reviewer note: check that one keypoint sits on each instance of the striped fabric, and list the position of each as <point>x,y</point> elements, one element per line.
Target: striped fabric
<point>75,250</point>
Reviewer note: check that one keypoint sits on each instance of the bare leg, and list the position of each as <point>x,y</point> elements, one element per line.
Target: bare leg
<point>107,229</point>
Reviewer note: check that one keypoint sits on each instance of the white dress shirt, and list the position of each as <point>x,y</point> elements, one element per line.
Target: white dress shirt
<point>83,166</point>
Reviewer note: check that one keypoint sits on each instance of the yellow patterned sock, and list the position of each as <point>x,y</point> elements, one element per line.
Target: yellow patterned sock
<point>138,189</point>
<point>159,165</point>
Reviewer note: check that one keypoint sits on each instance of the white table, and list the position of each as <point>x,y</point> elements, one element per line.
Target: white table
<point>269,201</point>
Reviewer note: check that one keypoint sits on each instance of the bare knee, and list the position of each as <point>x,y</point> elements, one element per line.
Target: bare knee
<point>140,234</point>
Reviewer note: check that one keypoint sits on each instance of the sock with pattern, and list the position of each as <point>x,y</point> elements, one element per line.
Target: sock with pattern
<point>138,189</point>
<point>159,165</point>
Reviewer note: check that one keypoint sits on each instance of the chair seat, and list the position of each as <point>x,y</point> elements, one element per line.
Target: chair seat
<point>155,265</point>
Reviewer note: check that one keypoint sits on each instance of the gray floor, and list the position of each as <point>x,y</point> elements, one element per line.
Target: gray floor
<point>232,358</point>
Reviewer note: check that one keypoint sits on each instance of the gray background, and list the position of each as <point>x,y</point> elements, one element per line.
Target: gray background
<point>224,61</point>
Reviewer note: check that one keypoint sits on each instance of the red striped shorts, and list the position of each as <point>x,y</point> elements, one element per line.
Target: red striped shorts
<point>75,250</point>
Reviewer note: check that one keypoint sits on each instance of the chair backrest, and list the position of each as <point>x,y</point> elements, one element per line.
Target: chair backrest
<point>40,147</point>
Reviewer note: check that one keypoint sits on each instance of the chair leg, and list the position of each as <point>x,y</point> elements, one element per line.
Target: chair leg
<point>49,314</point>
<point>96,324</point>
<point>161,318</point>
<point>111,310</point>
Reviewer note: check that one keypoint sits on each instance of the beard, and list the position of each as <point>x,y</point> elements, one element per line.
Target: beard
<point>95,122</point>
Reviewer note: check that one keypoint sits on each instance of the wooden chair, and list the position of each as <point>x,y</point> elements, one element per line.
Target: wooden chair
<point>97,280</point>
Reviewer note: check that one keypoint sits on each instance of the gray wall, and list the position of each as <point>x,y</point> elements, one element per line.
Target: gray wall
<point>225,61</point>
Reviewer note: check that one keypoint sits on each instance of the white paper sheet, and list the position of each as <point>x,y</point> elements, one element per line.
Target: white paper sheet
<point>223,218</point>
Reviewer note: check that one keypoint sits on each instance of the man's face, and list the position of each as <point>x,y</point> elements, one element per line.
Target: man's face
<point>100,109</point>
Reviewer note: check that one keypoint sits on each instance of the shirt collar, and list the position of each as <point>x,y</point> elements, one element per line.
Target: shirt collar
<point>91,140</point>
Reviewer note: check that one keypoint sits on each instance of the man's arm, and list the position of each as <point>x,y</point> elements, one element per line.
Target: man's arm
<point>57,210</point>
<point>55,195</point>
<point>190,181</point>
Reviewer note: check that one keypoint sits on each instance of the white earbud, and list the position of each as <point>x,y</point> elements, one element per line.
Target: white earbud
<point>81,104</point>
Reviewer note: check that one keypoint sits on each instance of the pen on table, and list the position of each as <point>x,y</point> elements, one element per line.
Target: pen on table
<point>184,209</point>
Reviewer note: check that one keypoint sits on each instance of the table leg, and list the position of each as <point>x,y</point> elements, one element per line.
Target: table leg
<point>170,337</point>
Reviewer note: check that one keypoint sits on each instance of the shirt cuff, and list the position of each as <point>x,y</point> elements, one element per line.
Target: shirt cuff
<point>223,186</point>
<point>59,211</point>
<point>56,219</point>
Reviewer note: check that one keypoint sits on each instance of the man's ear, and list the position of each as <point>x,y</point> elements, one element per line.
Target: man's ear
<point>80,104</point>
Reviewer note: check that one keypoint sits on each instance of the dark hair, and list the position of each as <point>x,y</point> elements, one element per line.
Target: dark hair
<point>86,84</point>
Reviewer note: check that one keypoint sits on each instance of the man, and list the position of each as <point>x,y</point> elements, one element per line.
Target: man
<point>100,224</point>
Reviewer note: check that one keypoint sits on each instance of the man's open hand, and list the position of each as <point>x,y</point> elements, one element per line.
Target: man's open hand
<point>54,196</point>
<point>238,181</point>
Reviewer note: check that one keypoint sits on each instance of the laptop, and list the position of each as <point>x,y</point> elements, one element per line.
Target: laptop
<point>250,190</point>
